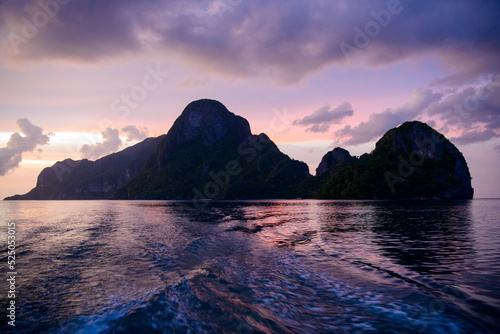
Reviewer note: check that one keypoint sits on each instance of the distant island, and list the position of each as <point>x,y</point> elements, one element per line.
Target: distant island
<point>210,153</point>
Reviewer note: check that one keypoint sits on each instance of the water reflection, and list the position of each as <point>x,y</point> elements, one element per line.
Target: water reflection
<point>268,266</point>
<point>430,238</point>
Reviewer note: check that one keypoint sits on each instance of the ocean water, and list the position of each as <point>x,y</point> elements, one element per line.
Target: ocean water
<point>304,266</point>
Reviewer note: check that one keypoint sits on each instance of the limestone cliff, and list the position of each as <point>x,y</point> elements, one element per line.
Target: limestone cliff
<point>210,153</point>
<point>84,179</point>
<point>332,158</point>
<point>410,161</point>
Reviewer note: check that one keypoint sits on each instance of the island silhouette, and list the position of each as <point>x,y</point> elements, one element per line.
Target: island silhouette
<point>210,153</point>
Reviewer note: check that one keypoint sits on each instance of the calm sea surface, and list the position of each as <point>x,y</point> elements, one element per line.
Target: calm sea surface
<point>253,267</point>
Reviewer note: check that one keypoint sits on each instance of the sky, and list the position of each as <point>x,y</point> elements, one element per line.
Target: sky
<point>82,79</point>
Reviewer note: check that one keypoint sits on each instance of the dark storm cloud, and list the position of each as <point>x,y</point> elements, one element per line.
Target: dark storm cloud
<point>285,39</point>
<point>320,120</point>
<point>71,30</point>
<point>12,155</point>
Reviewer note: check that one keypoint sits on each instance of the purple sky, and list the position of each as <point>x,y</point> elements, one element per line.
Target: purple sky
<point>87,78</point>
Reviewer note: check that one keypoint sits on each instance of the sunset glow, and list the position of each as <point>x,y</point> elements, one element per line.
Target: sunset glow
<point>313,76</point>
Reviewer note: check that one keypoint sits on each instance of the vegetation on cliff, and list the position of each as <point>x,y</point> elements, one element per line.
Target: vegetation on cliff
<point>410,161</point>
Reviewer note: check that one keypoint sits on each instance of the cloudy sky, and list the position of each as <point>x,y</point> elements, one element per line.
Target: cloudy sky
<point>82,79</point>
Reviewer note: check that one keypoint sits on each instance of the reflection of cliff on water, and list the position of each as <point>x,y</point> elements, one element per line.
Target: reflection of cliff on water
<point>428,237</point>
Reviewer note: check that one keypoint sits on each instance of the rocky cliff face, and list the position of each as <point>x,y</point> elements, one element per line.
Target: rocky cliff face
<point>410,161</point>
<point>210,153</point>
<point>207,121</point>
<point>420,146</point>
<point>84,179</point>
<point>337,155</point>
<point>203,122</point>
